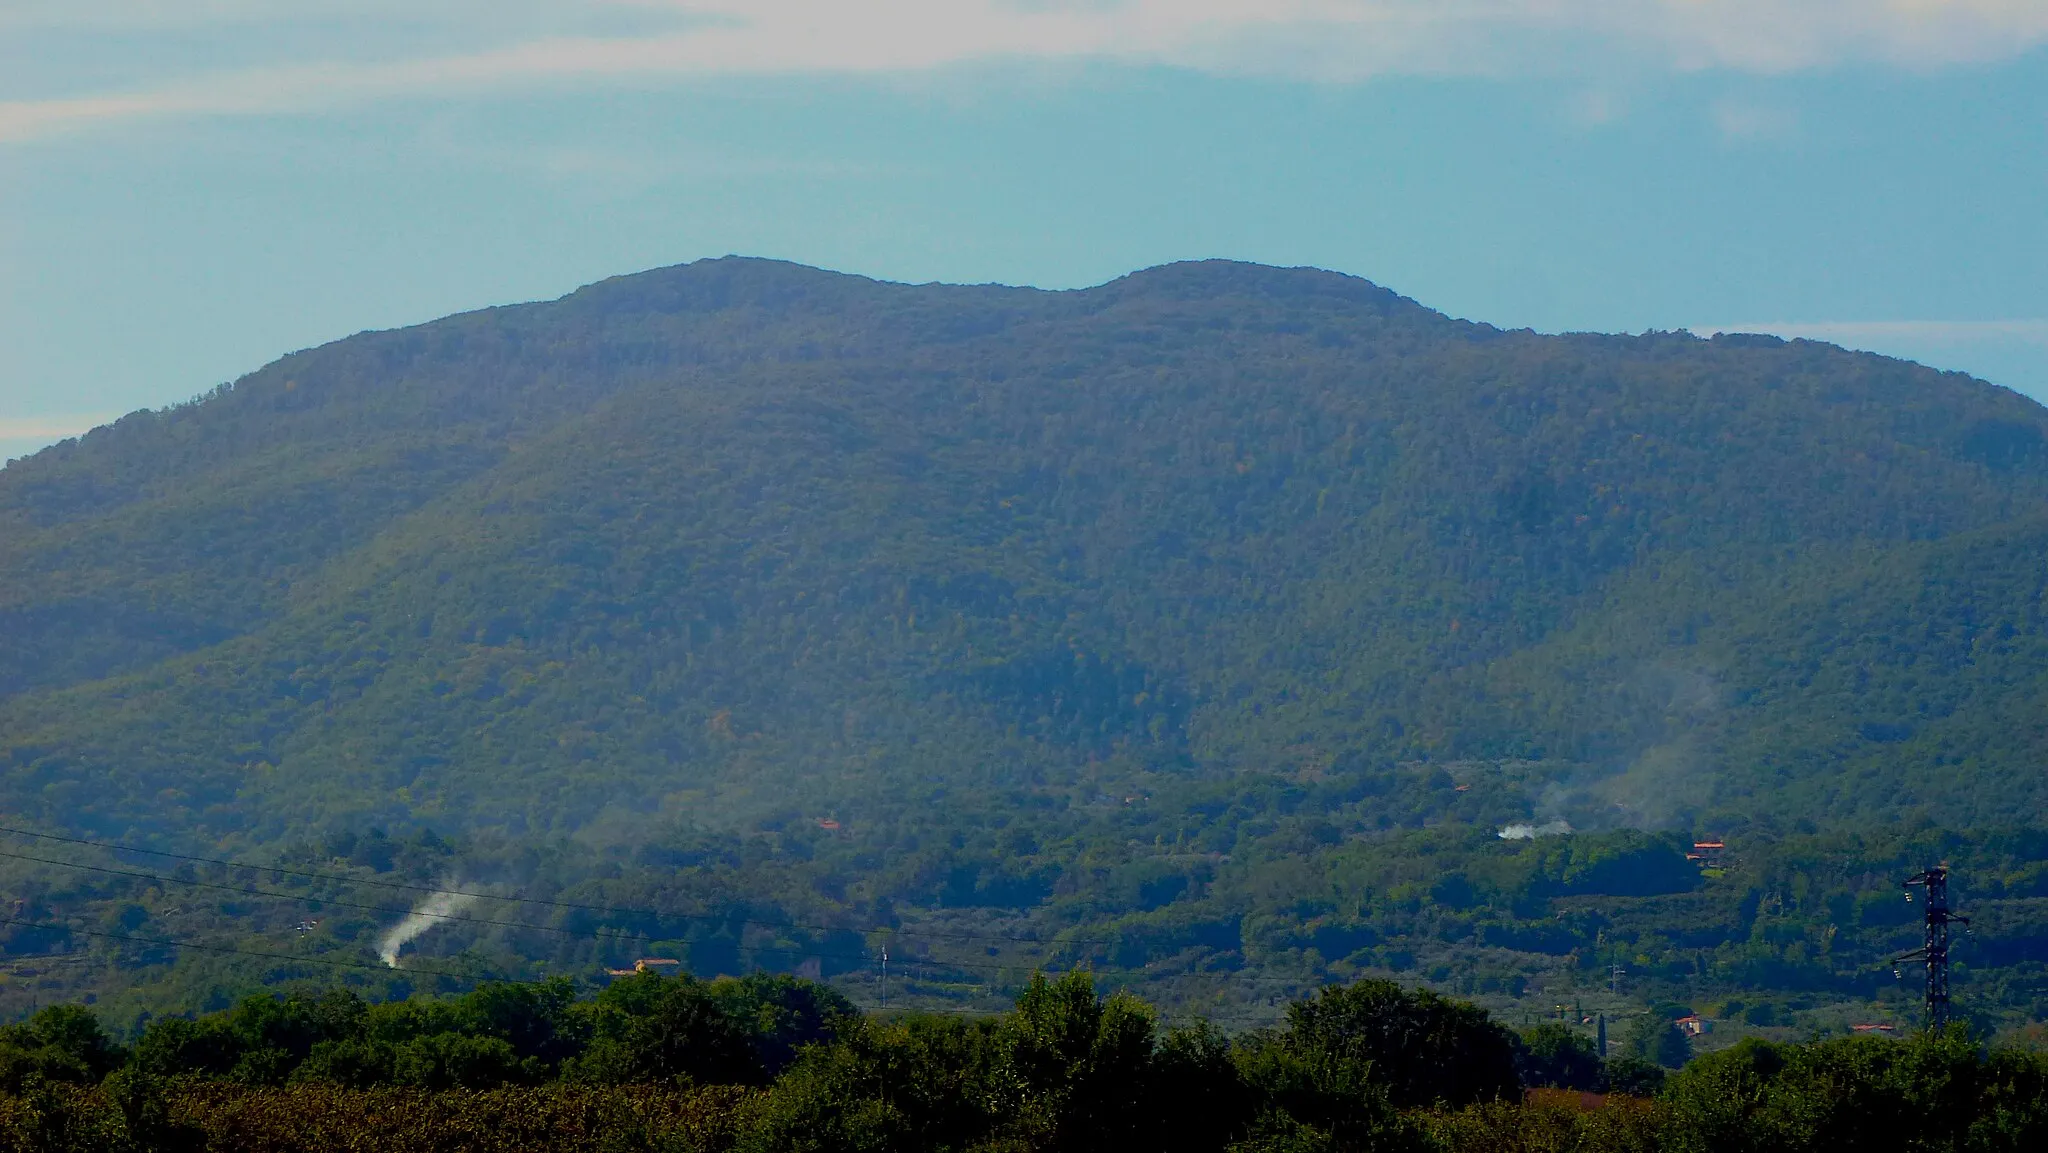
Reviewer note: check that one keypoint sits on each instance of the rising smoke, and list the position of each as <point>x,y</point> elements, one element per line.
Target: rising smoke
<point>1651,763</point>
<point>427,914</point>
<point>1524,832</point>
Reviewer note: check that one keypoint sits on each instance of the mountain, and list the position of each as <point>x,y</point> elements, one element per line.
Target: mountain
<point>985,579</point>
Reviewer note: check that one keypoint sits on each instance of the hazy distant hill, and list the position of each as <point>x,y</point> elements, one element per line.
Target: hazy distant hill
<point>712,529</point>
<point>738,545</point>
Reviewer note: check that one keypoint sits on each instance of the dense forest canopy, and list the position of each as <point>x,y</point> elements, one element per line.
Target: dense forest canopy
<point>1207,627</point>
<point>769,1065</point>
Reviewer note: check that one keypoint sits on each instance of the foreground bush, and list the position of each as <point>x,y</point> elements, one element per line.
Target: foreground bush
<point>217,1117</point>
<point>1552,1121</point>
<point>774,1065</point>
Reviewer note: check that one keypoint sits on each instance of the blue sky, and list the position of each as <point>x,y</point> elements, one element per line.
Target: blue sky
<point>190,188</point>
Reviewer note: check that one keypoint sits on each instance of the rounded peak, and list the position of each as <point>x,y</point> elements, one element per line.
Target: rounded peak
<point>717,283</point>
<point>1203,279</point>
<point>728,282</point>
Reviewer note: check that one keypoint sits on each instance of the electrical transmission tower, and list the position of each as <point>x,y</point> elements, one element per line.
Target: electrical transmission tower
<point>1934,953</point>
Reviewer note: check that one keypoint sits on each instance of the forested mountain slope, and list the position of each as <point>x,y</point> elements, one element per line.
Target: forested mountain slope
<point>738,544</point>
<point>740,520</point>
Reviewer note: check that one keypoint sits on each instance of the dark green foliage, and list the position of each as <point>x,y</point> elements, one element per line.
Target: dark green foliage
<point>1073,1068</point>
<point>60,1043</point>
<point>1652,1037</point>
<point>651,1029</point>
<point>1555,1057</point>
<point>1310,1097</point>
<point>1632,1076</point>
<point>912,1085</point>
<point>1926,1093</point>
<point>1198,1092</point>
<point>643,1029</point>
<point>144,1104</point>
<point>453,1061</point>
<point>782,1015</point>
<point>1423,1048</point>
<point>1067,1069</point>
<point>173,1045</point>
<point>1626,864</point>
<point>355,1062</point>
<point>535,1021</point>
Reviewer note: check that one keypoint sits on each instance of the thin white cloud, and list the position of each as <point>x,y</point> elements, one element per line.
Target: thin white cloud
<point>1741,120</point>
<point>1595,107</point>
<point>1319,40</point>
<point>134,15</point>
<point>53,427</point>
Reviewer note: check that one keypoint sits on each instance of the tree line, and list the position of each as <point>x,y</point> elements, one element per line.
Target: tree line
<point>769,1063</point>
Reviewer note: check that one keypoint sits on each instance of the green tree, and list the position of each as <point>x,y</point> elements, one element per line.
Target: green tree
<point>649,1028</point>
<point>1653,1037</point>
<point>145,1111</point>
<point>1074,1068</point>
<point>1556,1056</point>
<point>458,1061</point>
<point>535,1019</point>
<point>1926,1092</point>
<point>356,1062</point>
<point>60,1043</point>
<point>783,1013</point>
<point>1422,1047</point>
<point>1313,1098</point>
<point>1632,1076</point>
<point>171,1046</point>
<point>1200,1099</point>
<point>919,1084</point>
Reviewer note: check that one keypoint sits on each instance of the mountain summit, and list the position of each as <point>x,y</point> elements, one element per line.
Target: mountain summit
<point>740,539</point>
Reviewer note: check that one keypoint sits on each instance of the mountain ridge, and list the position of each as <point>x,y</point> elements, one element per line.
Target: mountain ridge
<point>1205,627</point>
<point>396,424</point>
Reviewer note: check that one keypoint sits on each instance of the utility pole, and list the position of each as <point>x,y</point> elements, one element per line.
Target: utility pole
<point>1601,1028</point>
<point>885,976</point>
<point>1934,952</point>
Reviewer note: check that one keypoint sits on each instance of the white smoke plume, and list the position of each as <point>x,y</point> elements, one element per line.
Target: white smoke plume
<point>1525,832</point>
<point>427,914</point>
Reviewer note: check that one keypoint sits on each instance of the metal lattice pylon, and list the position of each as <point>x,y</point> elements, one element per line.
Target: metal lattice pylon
<point>1934,952</point>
